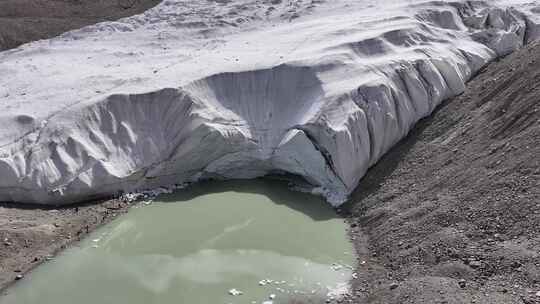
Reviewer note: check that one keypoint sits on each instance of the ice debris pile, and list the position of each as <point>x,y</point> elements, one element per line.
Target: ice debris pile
<point>172,96</point>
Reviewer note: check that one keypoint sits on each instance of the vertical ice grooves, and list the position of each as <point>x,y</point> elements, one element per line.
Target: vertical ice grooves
<point>328,113</point>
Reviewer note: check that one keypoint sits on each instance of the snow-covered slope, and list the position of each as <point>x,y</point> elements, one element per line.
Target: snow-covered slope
<point>238,89</point>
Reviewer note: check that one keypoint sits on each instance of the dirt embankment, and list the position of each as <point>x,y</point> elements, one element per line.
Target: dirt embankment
<point>452,214</point>
<point>23,21</point>
<point>30,235</point>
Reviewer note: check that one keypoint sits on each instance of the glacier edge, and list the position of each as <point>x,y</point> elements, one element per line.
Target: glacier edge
<point>327,114</point>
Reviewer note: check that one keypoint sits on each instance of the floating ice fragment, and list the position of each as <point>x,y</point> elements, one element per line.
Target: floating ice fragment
<point>235,292</point>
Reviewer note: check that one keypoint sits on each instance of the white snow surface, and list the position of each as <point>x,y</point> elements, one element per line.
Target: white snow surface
<point>191,90</point>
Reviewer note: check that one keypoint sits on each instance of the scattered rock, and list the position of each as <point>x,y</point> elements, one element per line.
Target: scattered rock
<point>18,277</point>
<point>394,285</point>
<point>462,283</point>
<point>475,264</point>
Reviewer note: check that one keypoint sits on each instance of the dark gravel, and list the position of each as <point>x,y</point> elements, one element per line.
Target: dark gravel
<point>23,21</point>
<point>452,214</point>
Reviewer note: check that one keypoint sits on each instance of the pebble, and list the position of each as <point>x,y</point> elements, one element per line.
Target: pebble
<point>475,264</point>
<point>394,285</point>
<point>235,292</point>
<point>18,277</point>
<point>462,283</point>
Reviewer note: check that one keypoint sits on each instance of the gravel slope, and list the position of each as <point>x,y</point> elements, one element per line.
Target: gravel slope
<point>458,201</point>
<point>23,21</point>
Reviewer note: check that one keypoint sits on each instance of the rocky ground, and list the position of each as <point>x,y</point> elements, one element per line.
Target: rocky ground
<point>22,21</point>
<point>29,236</point>
<point>452,214</point>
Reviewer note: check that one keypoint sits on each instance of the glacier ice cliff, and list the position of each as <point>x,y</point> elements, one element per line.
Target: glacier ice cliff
<point>193,90</point>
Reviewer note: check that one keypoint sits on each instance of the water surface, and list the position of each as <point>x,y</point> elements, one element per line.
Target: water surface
<point>197,244</point>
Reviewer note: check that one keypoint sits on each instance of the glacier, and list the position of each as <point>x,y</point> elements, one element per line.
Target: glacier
<point>193,90</point>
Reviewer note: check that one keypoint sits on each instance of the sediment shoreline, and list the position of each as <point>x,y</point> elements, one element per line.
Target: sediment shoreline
<point>31,236</point>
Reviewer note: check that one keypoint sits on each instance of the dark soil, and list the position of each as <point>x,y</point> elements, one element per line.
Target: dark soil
<point>23,21</point>
<point>452,214</point>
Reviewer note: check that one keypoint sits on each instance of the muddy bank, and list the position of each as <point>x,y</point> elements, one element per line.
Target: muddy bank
<point>452,214</point>
<point>22,21</point>
<point>30,236</point>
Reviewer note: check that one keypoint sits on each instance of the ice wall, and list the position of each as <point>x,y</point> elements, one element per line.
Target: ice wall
<point>150,101</point>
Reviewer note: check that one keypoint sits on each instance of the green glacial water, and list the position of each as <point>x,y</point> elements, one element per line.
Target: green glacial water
<point>194,246</point>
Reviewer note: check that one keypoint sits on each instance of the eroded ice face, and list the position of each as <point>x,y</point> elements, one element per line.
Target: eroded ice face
<point>191,89</point>
<point>199,244</point>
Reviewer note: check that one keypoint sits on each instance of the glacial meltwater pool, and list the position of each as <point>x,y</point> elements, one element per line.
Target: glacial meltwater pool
<point>199,246</point>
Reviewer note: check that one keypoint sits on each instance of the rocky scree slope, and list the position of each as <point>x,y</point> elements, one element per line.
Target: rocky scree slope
<point>168,97</point>
<point>22,21</point>
<point>452,213</point>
